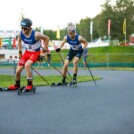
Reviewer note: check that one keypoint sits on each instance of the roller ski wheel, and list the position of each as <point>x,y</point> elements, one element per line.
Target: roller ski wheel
<point>66,83</point>
<point>58,84</point>
<point>53,84</point>
<point>34,89</point>
<point>1,89</point>
<point>74,84</point>
<point>22,90</point>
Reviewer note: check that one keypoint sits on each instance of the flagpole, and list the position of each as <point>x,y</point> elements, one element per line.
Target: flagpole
<point>91,30</point>
<point>125,36</point>
<point>41,29</point>
<point>124,29</point>
<point>109,27</point>
<point>58,33</point>
<point>125,39</point>
<point>91,37</point>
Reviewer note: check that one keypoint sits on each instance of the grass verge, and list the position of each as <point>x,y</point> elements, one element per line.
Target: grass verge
<point>7,80</point>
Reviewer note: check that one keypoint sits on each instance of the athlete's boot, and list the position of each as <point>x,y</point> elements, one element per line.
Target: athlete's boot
<point>28,88</point>
<point>73,82</point>
<point>13,87</point>
<point>62,82</point>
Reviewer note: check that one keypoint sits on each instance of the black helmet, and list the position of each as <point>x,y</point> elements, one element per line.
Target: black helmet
<point>26,23</point>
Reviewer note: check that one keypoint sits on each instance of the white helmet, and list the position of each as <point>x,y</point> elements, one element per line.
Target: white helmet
<point>71,28</point>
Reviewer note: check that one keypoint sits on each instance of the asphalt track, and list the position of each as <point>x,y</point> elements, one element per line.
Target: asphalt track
<point>107,108</point>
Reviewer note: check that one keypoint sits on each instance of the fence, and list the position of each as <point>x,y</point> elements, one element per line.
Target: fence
<point>101,60</point>
<point>111,60</point>
<point>93,60</point>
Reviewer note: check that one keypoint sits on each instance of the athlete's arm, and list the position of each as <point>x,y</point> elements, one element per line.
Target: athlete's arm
<point>19,43</point>
<point>63,42</point>
<point>19,46</point>
<point>83,41</point>
<point>44,38</point>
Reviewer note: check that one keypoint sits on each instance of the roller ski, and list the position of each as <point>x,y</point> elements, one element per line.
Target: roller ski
<point>10,88</point>
<point>3,89</point>
<point>73,83</point>
<point>27,89</point>
<point>59,83</point>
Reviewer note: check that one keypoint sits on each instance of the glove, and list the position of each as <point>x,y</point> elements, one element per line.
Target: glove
<point>44,51</point>
<point>58,49</point>
<point>82,50</point>
<point>20,54</point>
<point>40,58</point>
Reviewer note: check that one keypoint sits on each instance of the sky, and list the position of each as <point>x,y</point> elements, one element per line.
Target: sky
<point>48,14</point>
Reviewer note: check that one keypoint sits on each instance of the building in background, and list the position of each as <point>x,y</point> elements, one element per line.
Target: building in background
<point>8,39</point>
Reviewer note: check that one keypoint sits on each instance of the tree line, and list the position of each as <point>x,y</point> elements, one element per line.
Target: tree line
<point>115,13</point>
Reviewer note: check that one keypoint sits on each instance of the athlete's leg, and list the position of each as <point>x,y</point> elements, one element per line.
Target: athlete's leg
<point>33,57</point>
<point>68,59</point>
<point>64,70</point>
<point>29,74</point>
<point>65,66</point>
<point>66,63</point>
<point>18,72</point>
<point>17,78</point>
<point>75,69</point>
<point>75,63</point>
<point>21,65</point>
<point>28,68</point>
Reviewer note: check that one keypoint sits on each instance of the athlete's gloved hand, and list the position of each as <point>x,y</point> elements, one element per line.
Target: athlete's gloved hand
<point>82,50</point>
<point>40,58</point>
<point>20,54</point>
<point>44,50</point>
<point>58,49</point>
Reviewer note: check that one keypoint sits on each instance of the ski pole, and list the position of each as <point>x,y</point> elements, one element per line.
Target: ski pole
<point>40,76</point>
<point>57,69</point>
<point>63,63</point>
<point>90,72</point>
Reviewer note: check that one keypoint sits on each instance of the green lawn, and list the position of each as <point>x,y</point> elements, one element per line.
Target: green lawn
<point>101,54</point>
<point>110,54</point>
<point>111,49</point>
<point>7,80</point>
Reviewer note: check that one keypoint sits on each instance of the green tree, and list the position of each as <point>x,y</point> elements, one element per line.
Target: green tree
<point>117,13</point>
<point>95,27</point>
<point>51,34</point>
<point>83,28</point>
<point>106,14</point>
<point>125,9</point>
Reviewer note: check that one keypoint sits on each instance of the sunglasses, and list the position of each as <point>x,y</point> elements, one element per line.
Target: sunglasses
<point>24,28</point>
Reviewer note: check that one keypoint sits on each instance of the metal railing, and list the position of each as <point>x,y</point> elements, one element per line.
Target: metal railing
<point>93,60</point>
